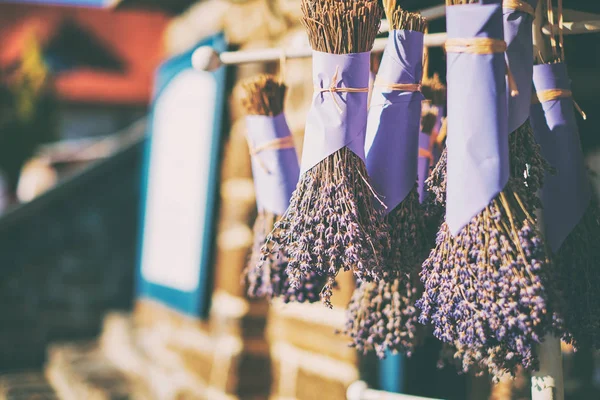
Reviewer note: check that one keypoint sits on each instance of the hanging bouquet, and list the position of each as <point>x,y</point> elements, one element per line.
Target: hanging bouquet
<point>432,135</point>
<point>333,222</point>
<point>571,215</point>
<point>526,163</point>
<point>275,170</point>
<point>382,315</point>
<point>487,287</point>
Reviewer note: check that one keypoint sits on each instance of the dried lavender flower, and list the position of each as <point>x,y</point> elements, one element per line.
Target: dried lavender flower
<point>527,166</point>
<point>263,95</point>
<point>332,223</point>
<point>578,279</point>
<point>382,316</point>
<point>488,290</point>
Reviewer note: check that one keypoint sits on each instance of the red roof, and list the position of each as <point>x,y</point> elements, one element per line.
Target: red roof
<point>135,36</point>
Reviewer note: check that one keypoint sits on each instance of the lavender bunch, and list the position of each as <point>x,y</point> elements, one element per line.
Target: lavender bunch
<point>407,219</point>
<point>269,279</point>
<point>488,289</point>
<point>436,182</point>
<point>263,95</point>
<point>332,223</point>
<point>434,203</point>
<point>408,236</point>
<point>527,166</point>
<point>576,263</point>
<point>576,256</point>
<point>382,316</point>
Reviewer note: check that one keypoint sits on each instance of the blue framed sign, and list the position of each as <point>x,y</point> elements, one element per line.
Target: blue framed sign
<point>180,183</point>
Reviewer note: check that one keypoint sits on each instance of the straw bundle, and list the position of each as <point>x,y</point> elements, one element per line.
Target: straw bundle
<point>381,315</point>
<point>332,223</point>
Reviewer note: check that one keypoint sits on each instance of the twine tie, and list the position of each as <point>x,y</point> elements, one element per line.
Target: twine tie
<point>518,5</point>
<point>333,89</point>
<point>286,142</point>
<point>426,153</point>
<point>483,46</point>
<point>405,87</point>
<point>555,94</point>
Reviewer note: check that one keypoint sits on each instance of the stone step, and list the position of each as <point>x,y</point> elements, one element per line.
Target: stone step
<point>80,371</point>
<point>26,386</point>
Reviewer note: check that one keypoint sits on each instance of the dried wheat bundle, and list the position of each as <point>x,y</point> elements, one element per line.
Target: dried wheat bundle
<point>488,288</point>
<point>381,315</point>
<point>332,223</point>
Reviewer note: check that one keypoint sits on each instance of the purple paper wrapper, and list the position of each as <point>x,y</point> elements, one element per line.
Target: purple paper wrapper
<point>424,164</point>
<point>339,119</point>
<point>519,54</point>
<point>394,118</point>
<point>275,171</point>
<point>566,194</point>
<point>478,164</point>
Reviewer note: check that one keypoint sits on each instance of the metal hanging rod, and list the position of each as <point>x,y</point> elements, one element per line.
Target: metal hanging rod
<point>207,59</point>
<point>576,28</point>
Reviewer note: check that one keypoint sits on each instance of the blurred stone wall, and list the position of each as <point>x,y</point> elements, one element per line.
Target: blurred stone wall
<point>68,257</point>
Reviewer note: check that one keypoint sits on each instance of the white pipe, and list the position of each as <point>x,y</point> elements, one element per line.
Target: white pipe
<point>581,22</point>
<point>434,12</point>
<point>206,59</point>
<point>360,391</point>
<point>575,28</point>
<point>547,382</point>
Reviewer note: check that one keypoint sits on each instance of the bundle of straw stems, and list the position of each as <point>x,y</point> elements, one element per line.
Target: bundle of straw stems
<point>488,289</point>
<point>382,315</point>
<point>332,223</point>
<point>264,95</point>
